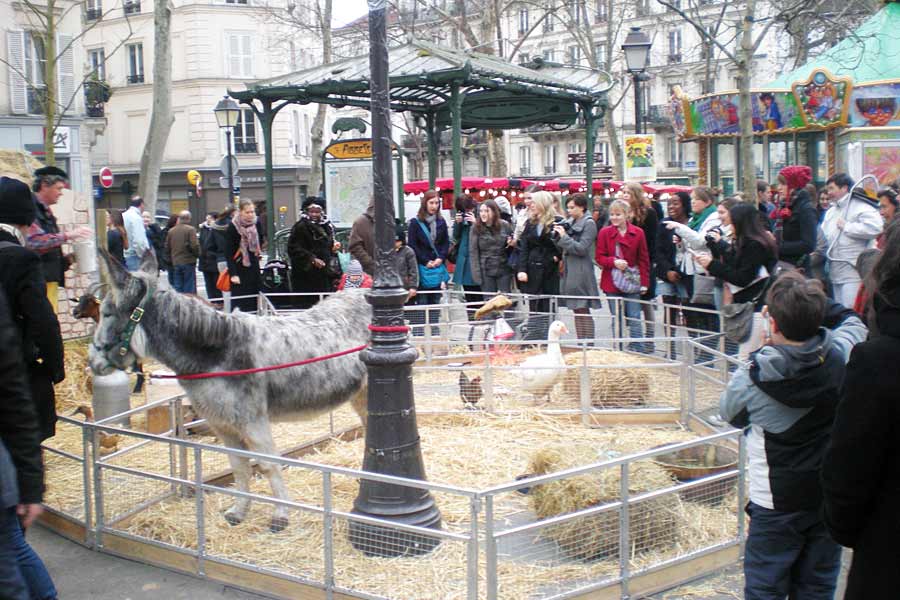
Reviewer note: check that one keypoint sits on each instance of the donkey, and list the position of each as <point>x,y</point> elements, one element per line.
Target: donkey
<point>190,337</point>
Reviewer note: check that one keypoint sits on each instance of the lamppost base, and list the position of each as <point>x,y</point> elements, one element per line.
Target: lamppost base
<point>388,542</point>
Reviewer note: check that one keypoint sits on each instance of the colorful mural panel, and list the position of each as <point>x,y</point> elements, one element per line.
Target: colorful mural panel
<point>718,115</point>
<point>882,160</point>
<point>824,99</point>
<point>876,106</point>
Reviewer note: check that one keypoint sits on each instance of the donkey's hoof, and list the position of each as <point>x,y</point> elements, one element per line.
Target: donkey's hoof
<point>233,519</point>
<point>278,524</point>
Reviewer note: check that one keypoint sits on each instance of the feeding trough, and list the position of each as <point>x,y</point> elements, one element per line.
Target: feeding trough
<point>691,464</point>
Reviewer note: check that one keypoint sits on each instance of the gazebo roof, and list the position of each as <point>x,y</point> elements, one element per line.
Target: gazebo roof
<point>420,76</point>
<point>870,54</point>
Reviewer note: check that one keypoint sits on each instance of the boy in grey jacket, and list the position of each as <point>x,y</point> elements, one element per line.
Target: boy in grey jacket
<point>405,262</point>
<point>786,399</point>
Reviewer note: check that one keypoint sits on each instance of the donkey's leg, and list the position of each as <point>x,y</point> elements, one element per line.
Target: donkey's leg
<point>259,439</point>
<point>240,466</point>
<point>360,403</point>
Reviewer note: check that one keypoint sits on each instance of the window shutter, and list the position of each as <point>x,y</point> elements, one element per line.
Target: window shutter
<point>18,92</point>
<point>247,56</point>
<point>65,71</point>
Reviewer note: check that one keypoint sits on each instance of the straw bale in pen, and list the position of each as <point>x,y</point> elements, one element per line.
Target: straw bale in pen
<point>597,536</point>
<point>610,388</point>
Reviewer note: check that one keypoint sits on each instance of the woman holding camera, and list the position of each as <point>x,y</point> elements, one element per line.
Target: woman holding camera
<point>462,231</point>
<point>538,267</point>
<point>487,249</point>
<point>644,216</point>
<point>577,238</point>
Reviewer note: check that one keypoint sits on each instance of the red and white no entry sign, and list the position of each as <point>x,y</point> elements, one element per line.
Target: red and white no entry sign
<point>106,177</point>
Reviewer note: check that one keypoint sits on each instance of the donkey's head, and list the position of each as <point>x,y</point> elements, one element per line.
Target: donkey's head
<point>118,338</point>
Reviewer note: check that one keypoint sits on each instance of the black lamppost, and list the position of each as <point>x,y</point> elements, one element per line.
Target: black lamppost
<point>392,437</point>
<point>637,52</point>
<point>227,113</point>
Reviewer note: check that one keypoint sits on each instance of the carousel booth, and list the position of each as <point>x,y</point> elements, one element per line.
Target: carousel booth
<point>840,112</point>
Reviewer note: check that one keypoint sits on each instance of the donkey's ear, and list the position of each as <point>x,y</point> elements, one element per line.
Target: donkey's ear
<point>148,263</point>
<point>114,270</point>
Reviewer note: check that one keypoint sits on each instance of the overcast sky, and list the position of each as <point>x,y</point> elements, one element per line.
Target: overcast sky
<point>344,11</point>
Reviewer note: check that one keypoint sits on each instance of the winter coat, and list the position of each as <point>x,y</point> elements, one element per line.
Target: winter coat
<point>416,239</point>
<point>650,227</point>
<point>861,469</point>
<point>741,269</point>
<point>634,251</point>
<point>21,472</point>
<point>798,235</point>
<point>462,273</point>
<point>52,261</point>
<point>251,281</point>
<point>407,267</point>
<point>207,262</point>
<point>669,255</point>
<point>182,245</point>
<point>362,239</point>
<point>539,258</point>
<point>115,244</point>
<point>578,264</point>
<point>217,240</point>
<point>487,251</point>
<point>864,225</point>
<point>26,292</point>
<point>696,241</point>
<point>157,240</point>
<point>310,240</point>
<point>786,398</point>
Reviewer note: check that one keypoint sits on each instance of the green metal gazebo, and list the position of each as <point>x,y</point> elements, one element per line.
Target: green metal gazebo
<point>451,88</point>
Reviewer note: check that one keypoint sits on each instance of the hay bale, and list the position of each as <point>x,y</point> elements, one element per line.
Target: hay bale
<point>18,165</point>
<point>610,388</point>
<point>597,536</point>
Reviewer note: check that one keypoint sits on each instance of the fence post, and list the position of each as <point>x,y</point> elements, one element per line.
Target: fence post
<point>490,549</point>
<point>328,533</point>
<point>182,450</point>
<point>488,383</point>
<point>201,516</point>
<point>624,526</point>
<point>98,486</point>
<point>86,485</point>
<point>742,483</point>
<point>472,559</point>
<point>620,323</point>
<point>687,361</point>
<point>584,387</point>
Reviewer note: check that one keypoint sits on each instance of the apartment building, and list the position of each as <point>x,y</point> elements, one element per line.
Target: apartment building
<point>217,45</point>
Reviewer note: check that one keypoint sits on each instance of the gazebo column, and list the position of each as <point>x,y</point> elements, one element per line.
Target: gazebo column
<point>455,126</point>
<point>266,117</point>
<point>431,136</point>
<point>589,135</point>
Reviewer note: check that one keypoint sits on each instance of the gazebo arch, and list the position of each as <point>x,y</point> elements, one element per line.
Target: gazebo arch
<point>446,87</point>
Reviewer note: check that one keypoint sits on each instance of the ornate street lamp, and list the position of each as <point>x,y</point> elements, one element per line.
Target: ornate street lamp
<point>392,436</point>
<point>637,54</point>
<point>227,113</point>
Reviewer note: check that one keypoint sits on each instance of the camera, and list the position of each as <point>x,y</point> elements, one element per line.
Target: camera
<point>566,225</point>
<point>710,239</point>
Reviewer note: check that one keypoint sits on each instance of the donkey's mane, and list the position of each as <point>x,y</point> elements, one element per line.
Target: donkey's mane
<point>190,317</point>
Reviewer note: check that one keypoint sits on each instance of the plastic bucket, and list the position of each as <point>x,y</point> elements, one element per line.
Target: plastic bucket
<point>85,257</point>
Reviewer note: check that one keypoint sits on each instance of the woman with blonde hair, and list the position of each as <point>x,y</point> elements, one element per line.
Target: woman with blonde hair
<point>538,266</point>
<point>644,216</point>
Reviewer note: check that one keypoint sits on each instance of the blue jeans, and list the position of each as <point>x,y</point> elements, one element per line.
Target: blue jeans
<point>133,262</point>
<point>23,575</point>
<point>632,311</point>
<point>185,278</point>
<point>789,554</point>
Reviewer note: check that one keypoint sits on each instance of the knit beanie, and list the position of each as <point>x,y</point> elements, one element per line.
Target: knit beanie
<point>354,269</point>
<point>16,203</point>
<point>399,232</point>
<point>796,176</point>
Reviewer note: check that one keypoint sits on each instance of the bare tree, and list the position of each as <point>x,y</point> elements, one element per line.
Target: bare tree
<point>835,20</point>
<point>161,117</point>
<point>764,15</point>
<point>52,86</point>
<point>323,16</point>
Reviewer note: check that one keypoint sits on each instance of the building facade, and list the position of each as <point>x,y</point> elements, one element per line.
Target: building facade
<point>217,45</point>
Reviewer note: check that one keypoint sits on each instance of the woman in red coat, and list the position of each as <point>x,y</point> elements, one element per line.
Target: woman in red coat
<point>623,256</point>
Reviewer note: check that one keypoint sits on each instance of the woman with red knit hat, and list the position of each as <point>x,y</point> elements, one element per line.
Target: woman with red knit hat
<point>795,217</point>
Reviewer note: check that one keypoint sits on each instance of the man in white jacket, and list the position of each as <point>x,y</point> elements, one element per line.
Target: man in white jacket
<point>850,227</point>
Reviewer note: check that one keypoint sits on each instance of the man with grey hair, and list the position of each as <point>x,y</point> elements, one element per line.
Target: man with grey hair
<point>183,246</point>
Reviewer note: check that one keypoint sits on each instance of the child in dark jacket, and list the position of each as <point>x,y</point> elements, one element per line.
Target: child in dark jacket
<point>786,398</point>
<point>405,263</point>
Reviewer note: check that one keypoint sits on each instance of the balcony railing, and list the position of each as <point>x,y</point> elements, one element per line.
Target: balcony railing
<point>673,164</point>
<point>93,14</point>
<point>674,59</point>
<point>658,116</point>
<point>97,111</point>
<point>549,170</point>
<point>245,148</point>
<point>135,78</point>
<point>132,8</point>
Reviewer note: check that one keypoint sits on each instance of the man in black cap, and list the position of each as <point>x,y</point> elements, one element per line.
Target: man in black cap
<point>44,235</point>
<point>22,280</point>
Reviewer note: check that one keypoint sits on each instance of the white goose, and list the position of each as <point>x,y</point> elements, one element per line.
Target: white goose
<point>541,373</point>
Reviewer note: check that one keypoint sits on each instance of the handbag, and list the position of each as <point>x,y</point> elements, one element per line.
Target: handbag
<point>737,317</point>
<point>431,277</point>
<point>223,281</point>
<point>704,286</point>
<point>453,254</point>
<point>627,280</point>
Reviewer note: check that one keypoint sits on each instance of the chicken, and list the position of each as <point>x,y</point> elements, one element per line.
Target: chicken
<point>540,374</point>
<point>497,304</point>
<point>470,391</point>
<point>109,442</point>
